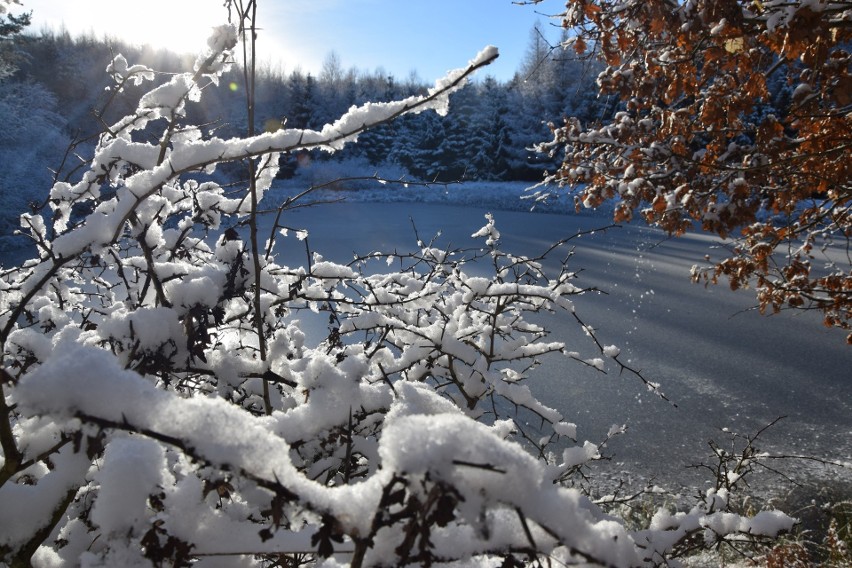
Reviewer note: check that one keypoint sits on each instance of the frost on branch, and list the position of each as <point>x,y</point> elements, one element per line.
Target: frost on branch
<point>162,402</point>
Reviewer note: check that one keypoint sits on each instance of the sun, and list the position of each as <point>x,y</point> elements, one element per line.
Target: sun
<point>182,26</point>
<point>178,25</point>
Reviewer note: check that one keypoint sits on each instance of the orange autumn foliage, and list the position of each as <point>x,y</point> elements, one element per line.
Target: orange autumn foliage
<point>693,144</point>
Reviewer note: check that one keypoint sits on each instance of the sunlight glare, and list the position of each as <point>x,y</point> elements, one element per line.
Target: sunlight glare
<point>178,25</point>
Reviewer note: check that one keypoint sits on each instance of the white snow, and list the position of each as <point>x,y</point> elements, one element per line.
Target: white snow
<point>132,469</point>
<point>425,355</point>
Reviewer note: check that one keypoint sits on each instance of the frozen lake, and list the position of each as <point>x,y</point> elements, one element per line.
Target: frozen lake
<point>720,362</point>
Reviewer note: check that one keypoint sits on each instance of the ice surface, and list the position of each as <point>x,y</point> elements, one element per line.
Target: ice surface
<point>721,363</point>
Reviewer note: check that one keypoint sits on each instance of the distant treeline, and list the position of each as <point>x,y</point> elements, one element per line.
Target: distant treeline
<point>58,92</point>
<point>59,88</point>
<point>487,134</point>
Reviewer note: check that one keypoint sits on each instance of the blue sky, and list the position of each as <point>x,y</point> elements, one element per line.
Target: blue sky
<point>429,36</point>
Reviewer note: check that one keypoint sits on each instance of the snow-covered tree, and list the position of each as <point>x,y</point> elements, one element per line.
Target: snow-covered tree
<point>10,26</point>
<point>378,144</point>
<point>695,143</point>
<point>458,140</point>
<point>336,89</point>
<point>491,151</point>
<point>32,138</point>
<point>161,403</point>
<point>31,141</point>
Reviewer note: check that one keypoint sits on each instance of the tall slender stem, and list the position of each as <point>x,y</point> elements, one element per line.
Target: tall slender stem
<point>248,14</point>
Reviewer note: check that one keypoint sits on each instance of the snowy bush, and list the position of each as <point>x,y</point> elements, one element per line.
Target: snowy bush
<point>162,404</point>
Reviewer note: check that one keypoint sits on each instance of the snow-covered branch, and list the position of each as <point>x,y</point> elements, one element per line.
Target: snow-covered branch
<point>168,399</point>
